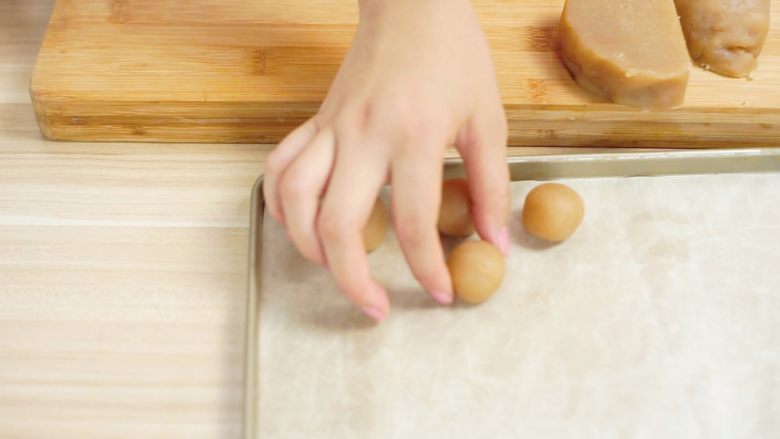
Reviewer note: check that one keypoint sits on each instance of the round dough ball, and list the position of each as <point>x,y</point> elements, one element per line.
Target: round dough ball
<point>477,270</point>
<point>375,231</point>
<point>552,212</point>
<point>455,210</point>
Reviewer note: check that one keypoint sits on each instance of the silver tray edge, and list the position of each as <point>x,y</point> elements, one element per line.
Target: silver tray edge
<point>544,167</point>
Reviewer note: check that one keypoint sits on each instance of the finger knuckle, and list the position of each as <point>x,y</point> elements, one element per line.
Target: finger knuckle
<point>274,163</point>
<point>503,201</point>
<point>429,275</point>
<point>309,251</point>
<point>421,121</point>
<point>401,118</point>
<point>504,195</point>
<point>494,192</point>
<point>412,232</point>
<point>333,227</point>
<point>356,116</point>
<point>294,186</point>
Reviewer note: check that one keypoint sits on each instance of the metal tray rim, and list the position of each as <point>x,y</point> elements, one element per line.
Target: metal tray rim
<point>541,167</point>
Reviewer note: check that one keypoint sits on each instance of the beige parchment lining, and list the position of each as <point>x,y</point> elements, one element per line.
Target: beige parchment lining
<point>660,317</point>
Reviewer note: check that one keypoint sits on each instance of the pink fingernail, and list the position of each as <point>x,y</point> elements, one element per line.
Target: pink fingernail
<point>503,241</point>
<point>442,297</point>
<point>374,313</point>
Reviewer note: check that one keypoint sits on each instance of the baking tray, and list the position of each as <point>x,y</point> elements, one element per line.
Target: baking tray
<point>545,167</point>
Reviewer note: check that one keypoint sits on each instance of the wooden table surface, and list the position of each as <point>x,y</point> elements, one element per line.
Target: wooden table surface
<point>122,272</point>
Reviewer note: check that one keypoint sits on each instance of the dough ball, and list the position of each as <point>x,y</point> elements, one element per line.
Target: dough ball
<point>477,270</point>
<point>455,211</point>
<point>375,231</point>
<point>552,212</point>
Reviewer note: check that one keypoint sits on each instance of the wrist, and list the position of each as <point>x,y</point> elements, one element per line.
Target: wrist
<point>375,9</point>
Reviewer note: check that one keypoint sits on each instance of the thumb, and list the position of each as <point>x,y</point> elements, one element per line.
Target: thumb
<point>482,144</point>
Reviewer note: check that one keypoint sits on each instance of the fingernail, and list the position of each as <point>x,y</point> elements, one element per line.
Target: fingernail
<point>374,313</point>
<point>503,241</point>
<point>442,297</point>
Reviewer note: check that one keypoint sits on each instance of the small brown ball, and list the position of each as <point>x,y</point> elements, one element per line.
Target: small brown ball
<point>455,210</point>
<point>552,212</point>
<point>375,231</point>
<point>477,270</point>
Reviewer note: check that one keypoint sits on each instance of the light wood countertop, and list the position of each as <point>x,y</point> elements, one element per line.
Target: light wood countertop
<point>122,273</point>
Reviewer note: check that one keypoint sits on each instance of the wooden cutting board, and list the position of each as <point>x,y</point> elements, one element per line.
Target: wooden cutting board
<point>251,70</point>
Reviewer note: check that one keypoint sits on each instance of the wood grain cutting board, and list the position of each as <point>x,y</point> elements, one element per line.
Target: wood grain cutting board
<point>251,70</point>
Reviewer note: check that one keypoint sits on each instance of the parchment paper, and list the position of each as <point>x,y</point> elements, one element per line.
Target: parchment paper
<point>660,317</point>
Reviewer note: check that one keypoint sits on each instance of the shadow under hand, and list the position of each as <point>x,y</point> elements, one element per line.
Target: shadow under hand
<point>324,307</point>
<point>337,318</point>
<point>343,316</point>
<point>413,299</point>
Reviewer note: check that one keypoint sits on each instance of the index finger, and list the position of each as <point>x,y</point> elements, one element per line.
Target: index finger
<point>352,192</point>
<point>416,198</point>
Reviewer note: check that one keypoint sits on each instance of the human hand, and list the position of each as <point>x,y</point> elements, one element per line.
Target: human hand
<point>418,78</point>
